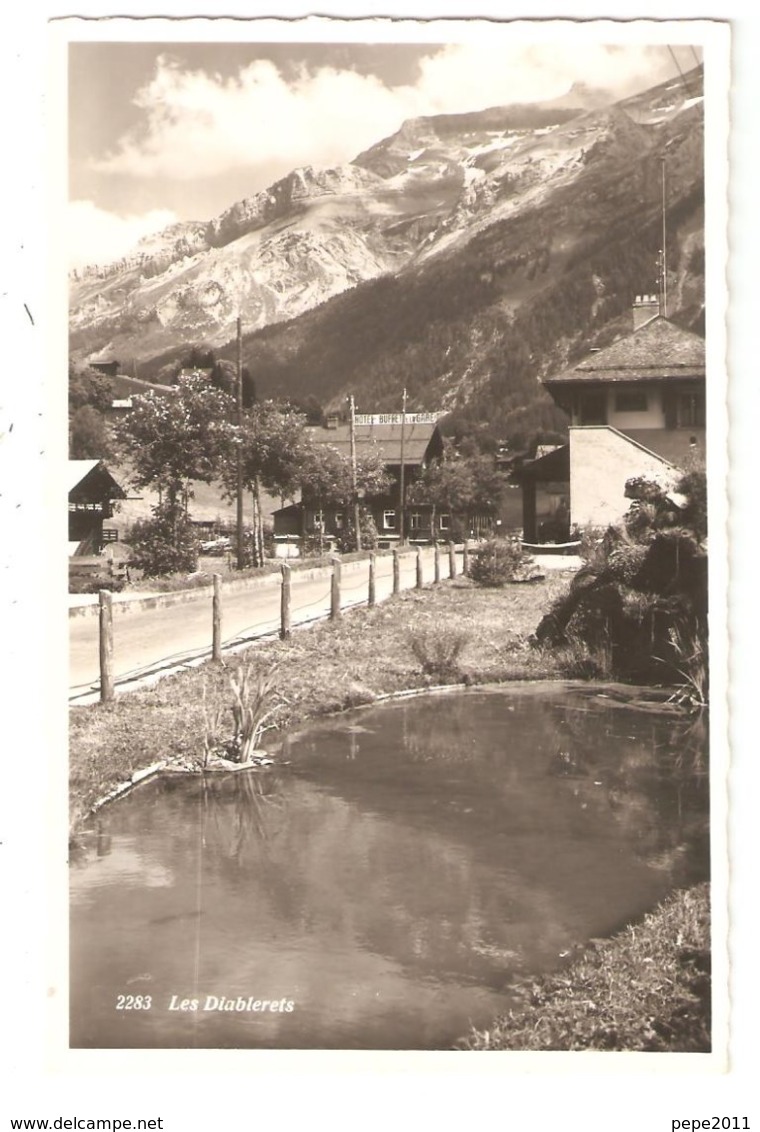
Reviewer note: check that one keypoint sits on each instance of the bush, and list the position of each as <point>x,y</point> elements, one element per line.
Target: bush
<point>164,544</point>
<point>93,583</point>
<point>641,597</point>
<point>580,661</point>
<point>438,648</point>
<point>498,561</point>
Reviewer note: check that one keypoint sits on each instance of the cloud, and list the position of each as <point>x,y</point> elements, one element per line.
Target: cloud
<point>195,124</point>
<point>199,125</point>
<point>98,236</point>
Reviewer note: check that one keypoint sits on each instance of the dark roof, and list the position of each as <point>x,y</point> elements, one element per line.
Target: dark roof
<point>658,349</point>
<point>552,466</point>
<point>386,437</point>
<point>91,481</point>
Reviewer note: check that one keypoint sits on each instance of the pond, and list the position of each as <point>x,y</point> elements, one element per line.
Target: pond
<point>384,888</point>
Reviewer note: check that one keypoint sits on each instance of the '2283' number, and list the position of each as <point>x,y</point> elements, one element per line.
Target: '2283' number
<point>133,1002</point>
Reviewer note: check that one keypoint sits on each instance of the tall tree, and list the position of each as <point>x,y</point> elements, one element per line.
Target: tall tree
<point>274,448</point>
<point>172,439</point>
<point>458,485</point>
<point>90,395</point>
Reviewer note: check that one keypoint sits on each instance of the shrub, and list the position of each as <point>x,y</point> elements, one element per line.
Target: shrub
<point>253,705</point>
<point>438,648</point>
<point>498,561</point>
<point>93,583</point>
<point>580,661</point>
<point>164,544</point>
<point>642,593</point>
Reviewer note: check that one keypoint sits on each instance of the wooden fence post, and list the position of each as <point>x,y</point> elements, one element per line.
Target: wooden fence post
<point>371,591</point>
<point>466,559</point>
<point>419,567</point>
<point>216,619</point>
<point>436,561</point>
<point>452,560</point>
<point>106,646</point>
<point>396,571</point>
<point>285,603</point>
<point>335,590</point>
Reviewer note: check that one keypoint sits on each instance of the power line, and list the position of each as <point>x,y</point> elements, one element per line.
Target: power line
<point>678,65</point>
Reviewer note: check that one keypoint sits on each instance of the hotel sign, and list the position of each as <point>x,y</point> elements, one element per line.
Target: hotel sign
<point>396,418</point>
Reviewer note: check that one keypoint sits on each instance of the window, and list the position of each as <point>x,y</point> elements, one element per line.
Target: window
<point>389,520</point>
<point>443,523</point>
<point>691,410</point>
<point>318,522</point>
<point>631,402</point>
<point>415,521</point>
<point>338,520</point>
<point>592,409</point>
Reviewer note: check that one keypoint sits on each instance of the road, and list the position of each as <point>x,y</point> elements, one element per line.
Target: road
<point>147,641</point>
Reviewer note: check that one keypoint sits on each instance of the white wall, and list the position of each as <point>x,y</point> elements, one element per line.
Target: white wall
<point>601,460</point>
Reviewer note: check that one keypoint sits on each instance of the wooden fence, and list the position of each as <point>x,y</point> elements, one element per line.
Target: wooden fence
<point>106,638</point>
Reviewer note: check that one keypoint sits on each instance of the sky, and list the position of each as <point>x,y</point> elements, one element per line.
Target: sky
<point>163,132</point>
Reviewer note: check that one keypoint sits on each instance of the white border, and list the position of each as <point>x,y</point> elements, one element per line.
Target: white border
<point>693,1097</point>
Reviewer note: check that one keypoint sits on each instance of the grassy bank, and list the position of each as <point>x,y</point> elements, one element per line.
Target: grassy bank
<point>329,666</point>
<point>646,989</point>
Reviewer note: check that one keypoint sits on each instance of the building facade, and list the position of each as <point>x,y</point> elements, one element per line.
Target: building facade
<point>636,408</point>
<point>412,443</point>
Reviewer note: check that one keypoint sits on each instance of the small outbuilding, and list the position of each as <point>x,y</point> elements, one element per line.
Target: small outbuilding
<point>92,494</point>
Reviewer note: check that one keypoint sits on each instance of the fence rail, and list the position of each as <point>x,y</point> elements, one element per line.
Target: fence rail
<point>342,594</point>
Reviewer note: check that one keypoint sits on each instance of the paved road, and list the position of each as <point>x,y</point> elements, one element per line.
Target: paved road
<point>148,640</point>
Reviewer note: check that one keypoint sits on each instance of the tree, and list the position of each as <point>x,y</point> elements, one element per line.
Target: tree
<point>273,448</point>
<point>171,439</point>
<point>224,377</point>
<point>327,479</point>
<point>458,485</point>
<point>163,544</point>
<point>90,395</point>
<point>89,387</point>
<point>89,438</point>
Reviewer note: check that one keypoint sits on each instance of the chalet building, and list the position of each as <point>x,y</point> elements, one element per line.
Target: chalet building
<point>92,492</point>
<point>422,442</point>
<point>108,369</point>
<point>636,408</point>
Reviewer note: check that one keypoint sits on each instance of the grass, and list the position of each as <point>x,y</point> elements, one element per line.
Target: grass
<point>325,668</point>
<point>646,989</point>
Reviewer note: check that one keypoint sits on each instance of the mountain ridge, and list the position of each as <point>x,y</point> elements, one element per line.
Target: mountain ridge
<point>464,267</point>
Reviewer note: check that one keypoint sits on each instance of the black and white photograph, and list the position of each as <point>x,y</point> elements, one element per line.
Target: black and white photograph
<point>395,406</point>
<point>378,532</point>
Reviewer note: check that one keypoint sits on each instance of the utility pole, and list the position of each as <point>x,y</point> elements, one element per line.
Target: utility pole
<point>664,256</point>
<point>354,496</point>
<point>402,504</point>
<point>239,390</point>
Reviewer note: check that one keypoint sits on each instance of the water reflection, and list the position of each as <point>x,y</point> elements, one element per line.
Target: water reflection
<point>392,882</point>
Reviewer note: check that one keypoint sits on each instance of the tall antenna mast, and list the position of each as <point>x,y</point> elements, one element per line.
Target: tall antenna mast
<point>354,494</point>
<point>239,469</point>
<point>663,252</point>
<point>401,510</point>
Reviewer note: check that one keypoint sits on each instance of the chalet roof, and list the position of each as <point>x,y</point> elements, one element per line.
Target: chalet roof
<point>386,437</point>
<point>657,350</point>
<point>92,477</point>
